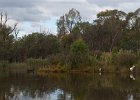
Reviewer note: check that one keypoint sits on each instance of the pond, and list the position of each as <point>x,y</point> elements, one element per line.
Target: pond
<point>69,87</point>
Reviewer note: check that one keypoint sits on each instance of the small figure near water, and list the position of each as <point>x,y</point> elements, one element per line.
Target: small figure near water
<point>132,68</point>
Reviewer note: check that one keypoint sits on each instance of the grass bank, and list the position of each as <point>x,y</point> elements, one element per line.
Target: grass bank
<point>115,62</point>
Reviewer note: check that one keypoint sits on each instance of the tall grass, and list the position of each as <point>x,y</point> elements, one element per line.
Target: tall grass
<point>125,58</point>
<point>36,63</point>
<point>7,67</point>
<point>106,58</point>
<point>17,68</point>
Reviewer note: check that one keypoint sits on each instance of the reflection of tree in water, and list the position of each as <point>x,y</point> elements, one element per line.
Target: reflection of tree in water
<point>72,86</point>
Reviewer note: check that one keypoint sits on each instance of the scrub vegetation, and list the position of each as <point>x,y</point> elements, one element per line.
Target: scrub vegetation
<point>110,42</point>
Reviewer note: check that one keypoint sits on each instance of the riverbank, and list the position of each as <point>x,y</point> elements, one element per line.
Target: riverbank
<point>24,68</point>
<point>109,62</point>
<point>86,70</point>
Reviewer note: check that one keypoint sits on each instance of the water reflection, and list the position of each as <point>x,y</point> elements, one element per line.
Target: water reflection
<point>132,77</point>
<point>100,74</point>
<point>130,97</point>
<point>69,87</point>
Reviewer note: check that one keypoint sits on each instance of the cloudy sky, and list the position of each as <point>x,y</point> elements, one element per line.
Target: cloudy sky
<point>36,15</point>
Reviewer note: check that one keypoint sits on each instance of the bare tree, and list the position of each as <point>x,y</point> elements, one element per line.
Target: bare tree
<point>6,30</point>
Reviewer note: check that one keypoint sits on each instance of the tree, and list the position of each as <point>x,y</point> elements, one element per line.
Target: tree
<point>66,23</point>
<point>72,18</point>
<point>61,27</point>
<point>6,37</point>
<point>111,25</point>
<point>35,45</point>
<point>51,45</point>
<point>65,43</point>
<point>137,21</point>
<point>86,31</point>
<point>5,30</point>
<point>131,37</point>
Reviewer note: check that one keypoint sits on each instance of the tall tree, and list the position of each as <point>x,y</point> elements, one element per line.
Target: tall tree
<point>66,23</point>
<point>86,31</point>
<point>6,37</point>
<point>131,38</point>
<point>112,24</point>
<point>61,27</point>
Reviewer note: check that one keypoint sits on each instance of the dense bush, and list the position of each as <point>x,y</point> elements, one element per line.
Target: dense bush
<point>125,58</point>
<point>106,58</point>
<point>79,55</point>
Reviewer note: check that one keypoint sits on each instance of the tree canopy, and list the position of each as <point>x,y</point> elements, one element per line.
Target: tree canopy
<point>112,29</point>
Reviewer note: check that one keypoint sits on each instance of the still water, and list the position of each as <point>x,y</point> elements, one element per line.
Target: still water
<point>69,87</point>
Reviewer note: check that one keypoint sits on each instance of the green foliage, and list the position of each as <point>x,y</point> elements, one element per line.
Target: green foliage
<point>79,47</point>
<point>35,45</point>
<point>66,42</point>
<point>79,55</point>
<point>131,41</point>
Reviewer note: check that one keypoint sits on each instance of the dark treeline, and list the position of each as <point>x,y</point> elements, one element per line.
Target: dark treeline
<point>76,41</point>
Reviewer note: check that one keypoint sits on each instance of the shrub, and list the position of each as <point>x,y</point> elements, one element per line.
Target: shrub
<point>125,58</point>
<point>96,53</point>
<point>79,47</point>
<point>106,58</point>
<point>58,59</point>
<point>35,63</point>
<point>79,55</point>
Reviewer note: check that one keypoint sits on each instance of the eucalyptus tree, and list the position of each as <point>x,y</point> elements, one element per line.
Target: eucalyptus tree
<point>137,22</point>
<point>66,23</point>
<point>131,38</point>
<point>86,31</point>
<point>111,24</point>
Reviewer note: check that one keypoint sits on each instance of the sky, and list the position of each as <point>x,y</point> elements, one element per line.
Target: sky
<point>41,15</point>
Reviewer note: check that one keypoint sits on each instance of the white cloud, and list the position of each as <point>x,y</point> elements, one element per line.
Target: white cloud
<point>66,0</point>
<point>129,7</point>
